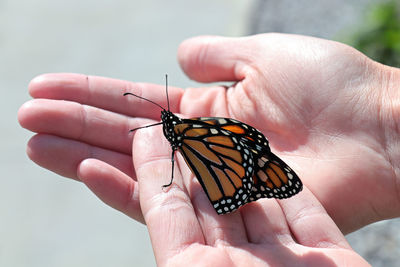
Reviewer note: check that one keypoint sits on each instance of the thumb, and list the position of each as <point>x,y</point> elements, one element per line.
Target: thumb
<point>214,58</point>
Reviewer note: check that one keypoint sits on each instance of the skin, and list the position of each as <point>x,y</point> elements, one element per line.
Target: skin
<point>328,111</point>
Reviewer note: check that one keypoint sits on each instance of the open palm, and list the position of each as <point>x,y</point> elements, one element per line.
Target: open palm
<point>318,103</point>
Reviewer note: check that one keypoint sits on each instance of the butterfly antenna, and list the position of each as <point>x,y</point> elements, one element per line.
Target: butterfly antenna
<point>148,100</point>
<point>166,88</point>
<point>147,126</point>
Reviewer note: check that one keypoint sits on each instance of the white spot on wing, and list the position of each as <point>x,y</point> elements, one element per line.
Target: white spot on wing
<point>261,163</point>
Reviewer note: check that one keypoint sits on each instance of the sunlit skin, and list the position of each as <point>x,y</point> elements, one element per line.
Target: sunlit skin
<point>327,110</point>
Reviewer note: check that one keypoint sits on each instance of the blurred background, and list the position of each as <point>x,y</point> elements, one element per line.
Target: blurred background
<point>47,220</point>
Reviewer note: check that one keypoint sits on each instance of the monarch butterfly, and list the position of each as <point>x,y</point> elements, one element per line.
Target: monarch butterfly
<point>231,159</point>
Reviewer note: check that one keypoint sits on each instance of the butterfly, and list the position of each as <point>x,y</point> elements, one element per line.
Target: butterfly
<point>231,159</point>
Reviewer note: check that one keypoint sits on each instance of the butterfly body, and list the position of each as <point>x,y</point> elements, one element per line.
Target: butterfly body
<point>169,120</point>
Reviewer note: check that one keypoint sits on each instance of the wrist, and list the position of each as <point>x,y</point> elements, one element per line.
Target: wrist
<point>378,119</point>
<point>389,116</point>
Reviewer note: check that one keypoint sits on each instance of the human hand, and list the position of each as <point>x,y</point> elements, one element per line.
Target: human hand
<point>186,231</point>
<point>320,104</point>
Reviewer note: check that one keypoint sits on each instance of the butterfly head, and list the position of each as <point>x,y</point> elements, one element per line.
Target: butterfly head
<point>170,120</point>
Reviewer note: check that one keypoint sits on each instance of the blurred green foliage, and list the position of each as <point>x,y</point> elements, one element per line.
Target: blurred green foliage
<point>379,37</point>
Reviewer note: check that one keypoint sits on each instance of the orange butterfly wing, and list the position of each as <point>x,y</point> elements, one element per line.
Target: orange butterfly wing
<point>220,162</point>
<point>233,162</point>
<point>273,178</point>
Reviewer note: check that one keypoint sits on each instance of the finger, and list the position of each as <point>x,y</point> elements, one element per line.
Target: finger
<point>310,223</point>
<point>75,121</point>
<point>112,186</point>
<point>105,93</point>
<point>265,222</point>
<point>168,213</point>
<point>205,102</point>
<point>63,156</point>
<point>214,58</point>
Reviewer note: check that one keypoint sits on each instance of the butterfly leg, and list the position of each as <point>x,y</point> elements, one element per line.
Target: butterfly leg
<point>172,172</point>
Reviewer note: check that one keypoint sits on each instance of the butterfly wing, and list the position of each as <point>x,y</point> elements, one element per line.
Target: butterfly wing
<point>273,178</point>
<point>221,162</point>
<point>252,137</point>
<point>233,162</point>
